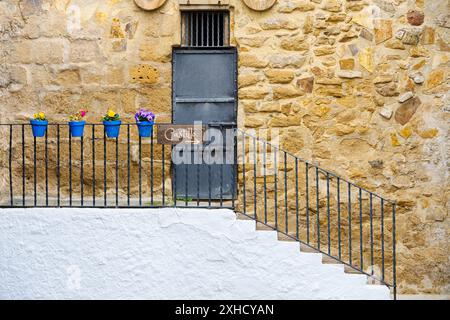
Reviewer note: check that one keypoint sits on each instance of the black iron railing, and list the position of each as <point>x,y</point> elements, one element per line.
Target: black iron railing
<point>278,189</point>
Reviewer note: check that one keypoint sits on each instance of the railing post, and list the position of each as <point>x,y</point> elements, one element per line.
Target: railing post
<point>394,258</point>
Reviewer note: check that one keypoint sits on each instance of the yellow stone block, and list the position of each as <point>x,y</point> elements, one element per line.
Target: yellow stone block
<point>144,73</point>
<point>366,59</point>
<point>394,140</point>
<point>428,134</point>
<point>405,132</point>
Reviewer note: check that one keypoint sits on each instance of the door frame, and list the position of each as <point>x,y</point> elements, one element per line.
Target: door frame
<point>226,49</point>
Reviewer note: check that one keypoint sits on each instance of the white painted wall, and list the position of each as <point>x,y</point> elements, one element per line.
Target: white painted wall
<point>159,254</point>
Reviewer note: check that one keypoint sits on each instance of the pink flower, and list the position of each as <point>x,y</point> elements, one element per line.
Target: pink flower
<point>82,113</point>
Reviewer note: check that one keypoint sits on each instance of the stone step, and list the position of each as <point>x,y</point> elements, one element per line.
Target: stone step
<point>372,281</point>
<point>284,237</point>
<point>262,227</point>
<point>307,249</point>
<point>329,260</point>
<point>241,216</point>
<point>350,270</point>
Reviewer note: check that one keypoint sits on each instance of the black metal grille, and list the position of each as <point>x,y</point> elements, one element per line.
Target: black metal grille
<point>205,28</point>
<point>278,189</point>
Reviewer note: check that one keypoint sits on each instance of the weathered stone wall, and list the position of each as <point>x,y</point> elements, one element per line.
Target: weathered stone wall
<point>359,87</point>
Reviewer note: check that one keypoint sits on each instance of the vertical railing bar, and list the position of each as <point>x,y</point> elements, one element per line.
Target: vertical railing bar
<point>296,199</point>
<point>254,178</point>
<point>339,216</point>
<point>349,209</point>
<point>382,239</point>
<point>104,168</point>
<point>209,181</point>
<point>221,170</point>
<point>174,184</point>
<point>23,165</point>
<point>128,164</point>
<point>328,214</point>
<point>34,172</point>
<point>163,174</point>
<point>70,168</point>
<point>58,170</point>
<point>317,209</point>
<point>198,177</point>
<point>93,165</point>
<point>81,170</point>
<point>307,200</point>
<point>371,232</point>
<point>394,259</point>
<point>243,173</point>
<point>140,171</point>
<point>275,188</point>
<point>117,171</point>
<point>191,27</point>
<point>11,196</point>
<point>46,168</point>
<point>186,182</point>
<point>151,169</point>
<point>265,181</point>
<point>285,195</point>
<point>361,253</point>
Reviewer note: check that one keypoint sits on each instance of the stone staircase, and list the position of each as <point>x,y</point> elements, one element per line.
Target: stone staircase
<point>306,249</point>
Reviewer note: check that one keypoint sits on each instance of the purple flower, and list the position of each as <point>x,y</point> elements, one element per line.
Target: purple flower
<point>144,115</point>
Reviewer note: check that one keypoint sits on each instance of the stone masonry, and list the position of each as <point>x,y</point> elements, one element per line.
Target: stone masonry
<point>357,86</point>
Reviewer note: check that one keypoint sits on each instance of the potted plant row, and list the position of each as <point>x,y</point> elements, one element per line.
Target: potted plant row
<point>111,120</point>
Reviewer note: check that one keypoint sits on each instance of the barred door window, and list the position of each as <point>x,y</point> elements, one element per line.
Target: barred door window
<point>205,28</point>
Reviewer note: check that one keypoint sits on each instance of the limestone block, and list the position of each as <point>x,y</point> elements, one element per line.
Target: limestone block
<point>332,5</point>
<point>406,110</point>
<point>279,75</point>
<point>383,30</point>
<point>386,112</point>
<point>296,5</point>
<point>250,60</point>
<point>286,60</point>
<point>295,43</point>
<point>306,84</point>
<point>387,90</point>
<point>84,51</point>
<point>278,23</point>
<point>283,92</point>
<point>366,59</point>
<point>324,50</point>
<point>143,73</point>
<point>47,51</point>
<point>246,80</point>
<point>405,96</point>
<point>349,74</point>
<point>435,78</point>
<point>347,64</point>
<point>415,17</point>
<point>253,93</point>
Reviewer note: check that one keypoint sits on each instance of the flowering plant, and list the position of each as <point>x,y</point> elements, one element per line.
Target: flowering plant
<point>40,116</point>
<point>144,116</point>
<point>111,116</point>
<point>78,116</point>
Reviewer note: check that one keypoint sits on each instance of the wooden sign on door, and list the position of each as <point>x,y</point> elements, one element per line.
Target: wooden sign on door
<point>180,134</point>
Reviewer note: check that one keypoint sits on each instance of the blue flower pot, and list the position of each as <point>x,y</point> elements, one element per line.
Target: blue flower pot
<point>112,128</point>
<point>77,128</point>
<point>39,127</point>
<point>145,128</point>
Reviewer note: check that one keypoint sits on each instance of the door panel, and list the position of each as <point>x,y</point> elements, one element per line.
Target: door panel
<point>204,89</point>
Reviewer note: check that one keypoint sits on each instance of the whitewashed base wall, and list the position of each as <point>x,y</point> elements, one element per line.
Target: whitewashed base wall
<point>159,254</point>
